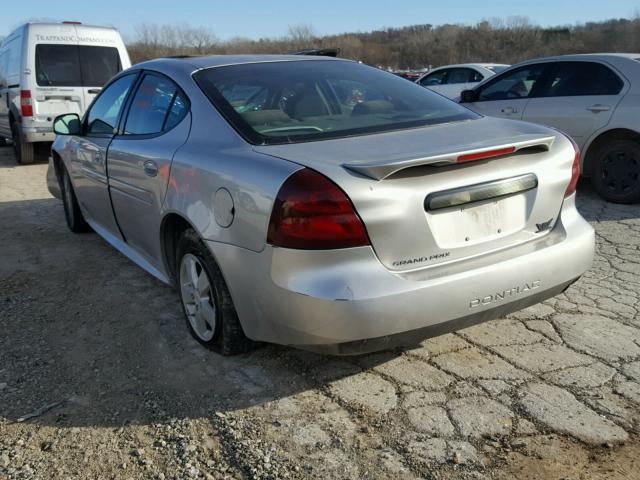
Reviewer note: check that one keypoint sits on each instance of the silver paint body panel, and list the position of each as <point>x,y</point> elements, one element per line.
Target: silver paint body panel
<point>329,297</point>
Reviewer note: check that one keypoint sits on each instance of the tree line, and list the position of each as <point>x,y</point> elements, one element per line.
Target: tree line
<point>418,46</point>
<point>413,47</point>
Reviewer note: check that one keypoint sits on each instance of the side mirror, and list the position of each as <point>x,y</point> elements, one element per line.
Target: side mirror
<point>67,124</point>
<point>468,96</point>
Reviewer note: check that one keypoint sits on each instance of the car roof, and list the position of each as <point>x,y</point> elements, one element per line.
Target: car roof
<point>45,25</point>
<point>188,63</point>
<point>484,65</point>
<point>585,56</point>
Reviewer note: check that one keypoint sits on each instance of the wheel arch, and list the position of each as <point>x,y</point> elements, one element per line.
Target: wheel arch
<point>172,227</point>
<point>602,139</point>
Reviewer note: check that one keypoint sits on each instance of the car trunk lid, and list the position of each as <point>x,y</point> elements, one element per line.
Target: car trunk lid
<point>423,206</point>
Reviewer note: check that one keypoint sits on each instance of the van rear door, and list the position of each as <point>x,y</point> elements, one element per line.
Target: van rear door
<point>58,79</point>
<point>98,64</point>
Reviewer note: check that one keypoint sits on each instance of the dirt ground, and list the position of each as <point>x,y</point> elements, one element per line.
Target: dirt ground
<point>99,378</point>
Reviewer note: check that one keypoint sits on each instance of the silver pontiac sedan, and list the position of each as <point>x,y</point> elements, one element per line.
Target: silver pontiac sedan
<point>320,203</point>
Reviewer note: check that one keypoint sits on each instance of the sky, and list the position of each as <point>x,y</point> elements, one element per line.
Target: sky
<point>271,18</point>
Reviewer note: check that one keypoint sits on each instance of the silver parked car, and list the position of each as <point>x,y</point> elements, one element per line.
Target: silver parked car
<point>595,98</point>
<point>451,80</point>
<point>320,203</point>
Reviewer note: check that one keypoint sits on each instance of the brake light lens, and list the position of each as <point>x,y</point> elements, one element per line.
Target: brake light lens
<point>26,105</point>
<point>313,213</point>
<point>575,169</point>
<point>470,157</point>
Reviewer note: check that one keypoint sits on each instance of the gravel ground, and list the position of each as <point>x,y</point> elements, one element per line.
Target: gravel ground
<point>100,379</point>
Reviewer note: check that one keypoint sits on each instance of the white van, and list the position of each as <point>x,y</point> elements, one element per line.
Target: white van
<point>47,69</point>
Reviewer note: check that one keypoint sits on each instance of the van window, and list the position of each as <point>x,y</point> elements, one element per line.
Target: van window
<point>75,65</point>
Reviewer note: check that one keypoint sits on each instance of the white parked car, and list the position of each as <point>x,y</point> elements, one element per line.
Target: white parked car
<point>47,69</point>
<point>594,98</point>
<point>451,80</point>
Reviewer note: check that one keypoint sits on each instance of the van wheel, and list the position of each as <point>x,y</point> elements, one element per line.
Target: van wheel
<point>24,150</point>
<point>72,213</point>
<point>206,302</point>
<point>616,171</point>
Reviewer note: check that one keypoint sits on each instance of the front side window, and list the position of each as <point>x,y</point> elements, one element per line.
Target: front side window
<point>103,115</point>
<point>294,101</point>
<point>463,75</point>
<point>435,78</point>
<point>157,106</point>
<point>518,83</point>
<point>581,78</point>
<point>75,65</point>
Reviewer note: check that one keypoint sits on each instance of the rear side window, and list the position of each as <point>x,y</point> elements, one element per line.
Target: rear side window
<point>104,112</point>
<point>157,106</point>
<point>581,78</point>
<point>518,83</point>
<point>75,65</point>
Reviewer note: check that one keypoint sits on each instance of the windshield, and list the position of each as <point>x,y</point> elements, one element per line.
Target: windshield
<point>75,65</point>
<point>287,102</point>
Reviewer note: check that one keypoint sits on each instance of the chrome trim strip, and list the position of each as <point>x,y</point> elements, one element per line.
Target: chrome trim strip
<point>481,191</point>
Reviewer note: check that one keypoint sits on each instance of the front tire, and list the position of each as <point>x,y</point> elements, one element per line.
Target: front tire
<point>72,212</point>
<point>616,171</point>
<point>25,151</point>
<point>206,301</point>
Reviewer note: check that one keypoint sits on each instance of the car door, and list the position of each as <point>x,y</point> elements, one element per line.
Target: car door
<point>139,160</point>
<point>89,154</point>
<point>577,97</point>
<point>507,94</point>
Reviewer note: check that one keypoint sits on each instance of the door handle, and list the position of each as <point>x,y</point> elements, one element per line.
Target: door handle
<point>509,110</point>
<point>599,108</point>
<point>94,91</point>
<point>150,168</point>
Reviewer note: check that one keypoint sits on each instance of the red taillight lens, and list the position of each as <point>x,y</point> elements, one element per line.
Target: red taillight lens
<point>313,213</point>
<point>26,107</point>
<point>575,169</point>
<point>470,157</point>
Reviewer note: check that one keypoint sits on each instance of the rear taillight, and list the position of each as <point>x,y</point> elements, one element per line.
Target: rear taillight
<point>312,212</point>
<point>575,169</point>
<point>26,105</point>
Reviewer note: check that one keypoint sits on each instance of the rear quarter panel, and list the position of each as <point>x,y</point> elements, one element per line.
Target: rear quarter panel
<point>215,157</point>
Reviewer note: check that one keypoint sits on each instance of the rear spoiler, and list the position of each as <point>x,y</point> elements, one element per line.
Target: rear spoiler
<point>478,151</point>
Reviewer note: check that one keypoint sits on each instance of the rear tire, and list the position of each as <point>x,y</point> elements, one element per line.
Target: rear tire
<point>206,301</point>
<point>72,212</point>
<point>616,171</point>
<point>25,151</point>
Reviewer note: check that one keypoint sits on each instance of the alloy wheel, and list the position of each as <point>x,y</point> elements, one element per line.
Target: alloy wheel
<point>197,297</point>
<point>620,171</point>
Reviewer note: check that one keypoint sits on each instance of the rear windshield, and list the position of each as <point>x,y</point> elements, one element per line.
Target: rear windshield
<point>75,65</point>
<point>296,101</point>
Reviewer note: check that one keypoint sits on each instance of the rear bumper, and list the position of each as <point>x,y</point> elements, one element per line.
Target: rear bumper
<point>32,135</point>
<point>346,301</point>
